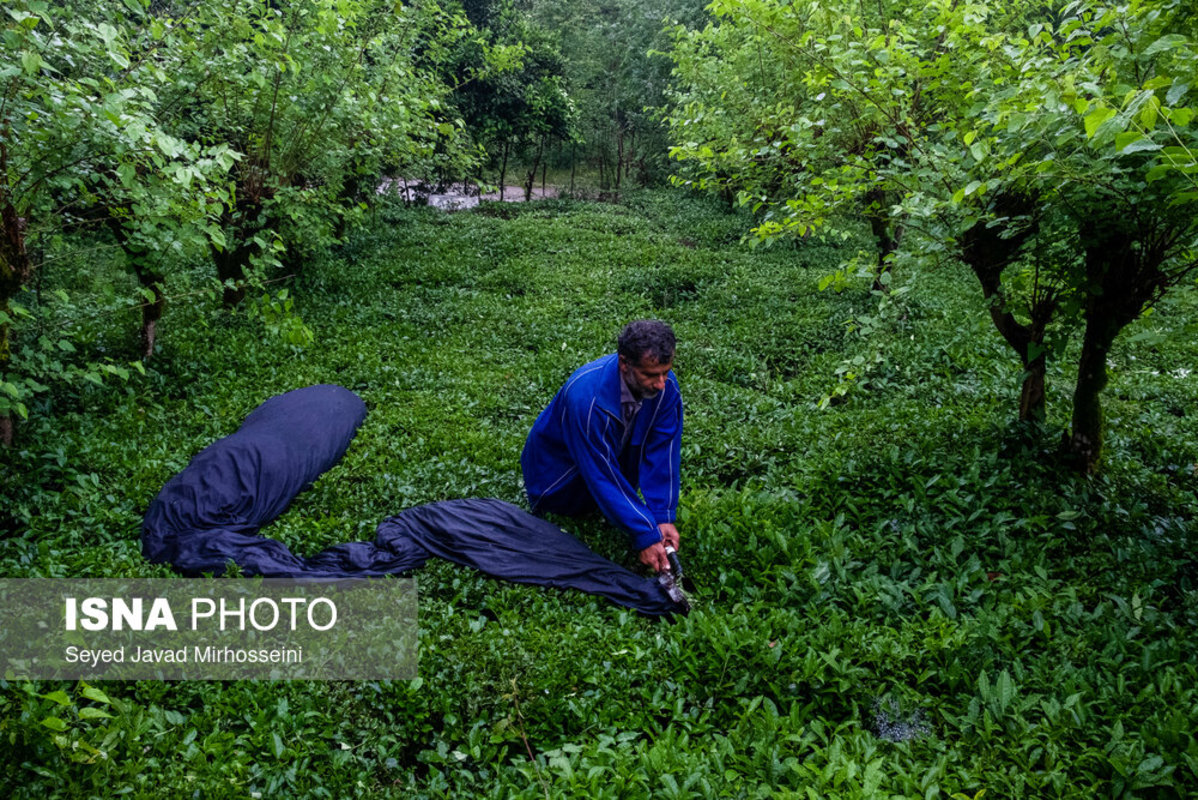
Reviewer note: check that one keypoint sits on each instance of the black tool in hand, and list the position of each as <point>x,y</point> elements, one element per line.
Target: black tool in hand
<point>671,581</point>
<point>675,564</point>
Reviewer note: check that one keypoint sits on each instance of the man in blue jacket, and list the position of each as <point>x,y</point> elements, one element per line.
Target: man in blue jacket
<point>613,428</point>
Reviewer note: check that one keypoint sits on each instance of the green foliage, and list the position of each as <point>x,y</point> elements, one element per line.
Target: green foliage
<point>515,100</point>
<point>78,130</point>
<point>321,98</point>
<point>617,74</point>
<point>248,133</point>
<point>899,557</point>
<point>279,319</point>
<point>1049,149</point>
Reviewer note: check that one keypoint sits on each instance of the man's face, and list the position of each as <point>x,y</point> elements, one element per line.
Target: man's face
<point>646,378</point>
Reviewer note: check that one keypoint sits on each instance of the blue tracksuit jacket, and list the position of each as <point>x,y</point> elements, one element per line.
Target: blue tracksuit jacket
<point>572,459</point>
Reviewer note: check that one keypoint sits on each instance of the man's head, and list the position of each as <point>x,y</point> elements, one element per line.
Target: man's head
<point>646,351</point>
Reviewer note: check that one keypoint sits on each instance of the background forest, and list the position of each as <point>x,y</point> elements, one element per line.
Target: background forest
<point>932,271</point>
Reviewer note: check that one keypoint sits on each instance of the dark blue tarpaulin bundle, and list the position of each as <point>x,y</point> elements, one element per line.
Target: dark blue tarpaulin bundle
<point>210,513</point>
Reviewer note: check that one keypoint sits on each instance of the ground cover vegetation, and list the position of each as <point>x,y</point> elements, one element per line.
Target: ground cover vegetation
<point>896,595</point>
<point>904,587</point>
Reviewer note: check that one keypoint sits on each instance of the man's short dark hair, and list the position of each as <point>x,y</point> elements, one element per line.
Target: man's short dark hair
<point>646,338</point>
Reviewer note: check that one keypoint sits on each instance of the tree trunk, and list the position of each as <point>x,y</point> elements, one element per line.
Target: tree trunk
<point>630,156</point>
<point>1123,266</point>
<point>573,165</point>
<point>503,172</point>
<point>886,246</point>
<point>241,226</point>
<point>619,157</point>
<point>151,311</point>
<point>231,266</point>
<point>14,272</point>
<point>354,191</point>
<point>1033,405</point>
<point>887,236</point>
<point>531,178</point>
<point>987,252</point>
<point>1086,439</point>
<point>141,260</point>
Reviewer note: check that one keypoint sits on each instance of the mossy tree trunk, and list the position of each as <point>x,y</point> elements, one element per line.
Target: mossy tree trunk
<point>988,249</point>
<point>1086,434</point>
<point>1123,262</point>
<point>887,231</point>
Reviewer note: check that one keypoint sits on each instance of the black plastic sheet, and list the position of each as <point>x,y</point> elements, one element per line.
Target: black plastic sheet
<point>210,513</point>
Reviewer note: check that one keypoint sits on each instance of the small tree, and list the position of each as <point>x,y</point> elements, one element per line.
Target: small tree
<point>314,95</point>
<point>515,102</point>
<point>1000,132</point>
<point>1092,124</point>
<point>77,123</point>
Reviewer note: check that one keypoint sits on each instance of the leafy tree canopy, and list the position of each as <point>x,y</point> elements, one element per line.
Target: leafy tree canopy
<point>1050,148</point>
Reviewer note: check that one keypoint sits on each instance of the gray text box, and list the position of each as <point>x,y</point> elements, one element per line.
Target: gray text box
<point>208,629</point>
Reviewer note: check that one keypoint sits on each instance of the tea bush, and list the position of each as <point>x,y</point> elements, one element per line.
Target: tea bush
<point>900,594</point>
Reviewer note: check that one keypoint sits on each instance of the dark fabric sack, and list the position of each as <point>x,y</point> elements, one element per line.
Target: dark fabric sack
<point>210,513</point>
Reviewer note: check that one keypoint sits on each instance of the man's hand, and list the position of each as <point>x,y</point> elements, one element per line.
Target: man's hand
<point>654,557</point>
<point>669,534</point>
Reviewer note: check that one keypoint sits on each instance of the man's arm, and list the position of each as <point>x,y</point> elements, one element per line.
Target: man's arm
<point>660,470</point>
<point>589,433</point>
